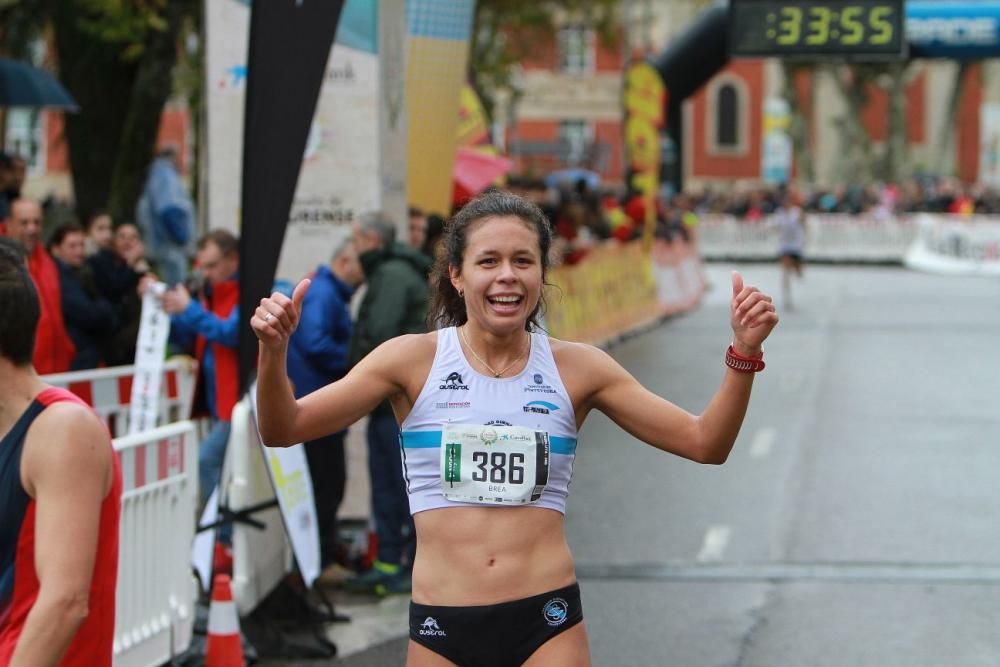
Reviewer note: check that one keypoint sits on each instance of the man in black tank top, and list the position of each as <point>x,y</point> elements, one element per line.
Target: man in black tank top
<point>60,491</point>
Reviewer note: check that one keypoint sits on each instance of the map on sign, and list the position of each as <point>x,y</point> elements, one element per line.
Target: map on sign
<point>855,29</point>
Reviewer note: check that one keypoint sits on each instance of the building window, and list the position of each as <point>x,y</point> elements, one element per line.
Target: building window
<point>25,136</point>
<point>576,50</point>
<point>728,109</point>
<point>576,137</point>
<point>727,113</point>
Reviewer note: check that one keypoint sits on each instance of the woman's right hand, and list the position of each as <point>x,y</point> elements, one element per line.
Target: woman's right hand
<point>277,316</point>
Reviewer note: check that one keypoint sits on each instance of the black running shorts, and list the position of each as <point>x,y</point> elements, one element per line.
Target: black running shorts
<point>496,635</point>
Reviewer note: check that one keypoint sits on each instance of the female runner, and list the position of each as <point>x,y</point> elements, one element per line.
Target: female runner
<point>489,410</point>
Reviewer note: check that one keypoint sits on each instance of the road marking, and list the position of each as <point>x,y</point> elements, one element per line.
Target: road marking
<point>714,544</point>
<point>762,443</point>
<point>846,571</point>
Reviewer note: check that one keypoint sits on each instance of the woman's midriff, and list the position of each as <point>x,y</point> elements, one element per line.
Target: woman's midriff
<point>485,555</point>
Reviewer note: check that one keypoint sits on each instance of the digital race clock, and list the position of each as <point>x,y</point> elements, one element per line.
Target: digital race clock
<point>857,29</point>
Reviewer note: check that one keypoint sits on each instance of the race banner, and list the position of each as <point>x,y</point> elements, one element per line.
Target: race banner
<point>611,291</point>
<point>952,245</point>
<point>436,62</point>
<point>150,350</point>
<point>645,100</point>
<point>355,155</point>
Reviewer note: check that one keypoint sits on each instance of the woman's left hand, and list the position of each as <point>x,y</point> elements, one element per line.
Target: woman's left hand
<point>752,315</point>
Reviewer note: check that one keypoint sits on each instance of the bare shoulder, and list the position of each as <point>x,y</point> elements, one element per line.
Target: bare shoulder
<point>405,349</point>
<point>399,358</point>
<point>67,437</point>
<point>69,419</point>
<point>584,368</point>
<point>569,355</point>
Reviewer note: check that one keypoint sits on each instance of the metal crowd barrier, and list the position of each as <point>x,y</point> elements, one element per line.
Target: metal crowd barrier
<point>109,391</point>
<point>157,591</point>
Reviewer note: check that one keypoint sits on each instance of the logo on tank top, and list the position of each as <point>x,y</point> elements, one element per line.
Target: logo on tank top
<point>454,382</point>
<point>541,407</point>
<point>555,612</point>
<point>453,405</point>
<point>430,628</point>
<point>498,422</point>
<point>538,385</point>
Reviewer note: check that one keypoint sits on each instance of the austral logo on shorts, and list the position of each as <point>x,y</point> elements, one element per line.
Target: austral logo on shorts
<point>454,382</point>
<point>555,611</point>
<point>430,628</point>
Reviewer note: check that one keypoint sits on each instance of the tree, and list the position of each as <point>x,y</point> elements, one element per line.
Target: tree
<point>801,111</point>
<point>505,32</point>
<point>856,81</point>
<point>117,59</point>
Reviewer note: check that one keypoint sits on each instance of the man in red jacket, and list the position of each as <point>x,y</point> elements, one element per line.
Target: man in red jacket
<point>54,350</point>
<point>213,323</point>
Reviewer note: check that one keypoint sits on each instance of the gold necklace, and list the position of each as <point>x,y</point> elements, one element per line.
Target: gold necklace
<point>499,373</point>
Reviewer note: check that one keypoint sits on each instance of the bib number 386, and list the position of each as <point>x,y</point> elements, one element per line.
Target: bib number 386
<point>495,465</point>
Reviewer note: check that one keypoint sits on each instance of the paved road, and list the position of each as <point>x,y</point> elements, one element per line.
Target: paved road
<point>856,523</point>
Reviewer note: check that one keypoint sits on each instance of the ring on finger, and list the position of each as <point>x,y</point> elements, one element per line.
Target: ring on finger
<point>268,317</point>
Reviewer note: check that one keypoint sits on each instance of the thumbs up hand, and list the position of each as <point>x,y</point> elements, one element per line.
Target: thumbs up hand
<point>752,315</point>
<point>277,316</point>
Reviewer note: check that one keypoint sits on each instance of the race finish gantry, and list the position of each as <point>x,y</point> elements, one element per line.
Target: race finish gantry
<point>808,30</point>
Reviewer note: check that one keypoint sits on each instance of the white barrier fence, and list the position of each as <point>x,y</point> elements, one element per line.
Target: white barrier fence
<point>109,391</point>
<point>156,592</point>
<point>844,238</point>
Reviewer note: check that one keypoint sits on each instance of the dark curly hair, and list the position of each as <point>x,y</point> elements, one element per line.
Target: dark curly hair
<point>447,307</point>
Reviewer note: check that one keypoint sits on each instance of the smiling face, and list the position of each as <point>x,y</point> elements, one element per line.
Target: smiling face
<point>501,273</point>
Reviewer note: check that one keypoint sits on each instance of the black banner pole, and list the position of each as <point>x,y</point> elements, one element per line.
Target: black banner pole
<point>290,41</point>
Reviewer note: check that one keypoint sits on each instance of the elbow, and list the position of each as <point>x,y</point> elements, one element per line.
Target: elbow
<point>274,438</point>
<point>714,458</point>
<point>71,609</point>
<point>78,611</point>
<point>712,449</point>
<point>713,453</point>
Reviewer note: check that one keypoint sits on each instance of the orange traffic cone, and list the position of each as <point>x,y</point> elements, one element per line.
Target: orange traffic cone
<point>224,648</point>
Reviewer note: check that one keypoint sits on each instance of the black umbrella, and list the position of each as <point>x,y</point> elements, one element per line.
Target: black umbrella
<point>22,85</point>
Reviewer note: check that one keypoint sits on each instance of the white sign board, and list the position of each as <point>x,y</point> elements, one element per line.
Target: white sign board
<point>355,157</point>
<point>150,350</point>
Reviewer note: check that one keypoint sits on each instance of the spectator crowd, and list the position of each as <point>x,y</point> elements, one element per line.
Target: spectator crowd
<point>90,279</point>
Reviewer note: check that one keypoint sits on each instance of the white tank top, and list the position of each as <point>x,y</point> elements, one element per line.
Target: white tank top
<point>454,393</point>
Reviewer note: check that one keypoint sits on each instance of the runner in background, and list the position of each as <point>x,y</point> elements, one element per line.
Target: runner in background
<point>790,221</point>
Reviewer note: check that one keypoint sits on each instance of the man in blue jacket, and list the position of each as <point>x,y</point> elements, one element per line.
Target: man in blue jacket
<point>317,356</point>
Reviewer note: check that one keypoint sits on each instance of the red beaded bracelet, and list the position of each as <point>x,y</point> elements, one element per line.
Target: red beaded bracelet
<point>744,364</point>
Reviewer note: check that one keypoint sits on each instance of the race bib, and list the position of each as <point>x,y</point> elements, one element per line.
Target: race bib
<point>494,465</point>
